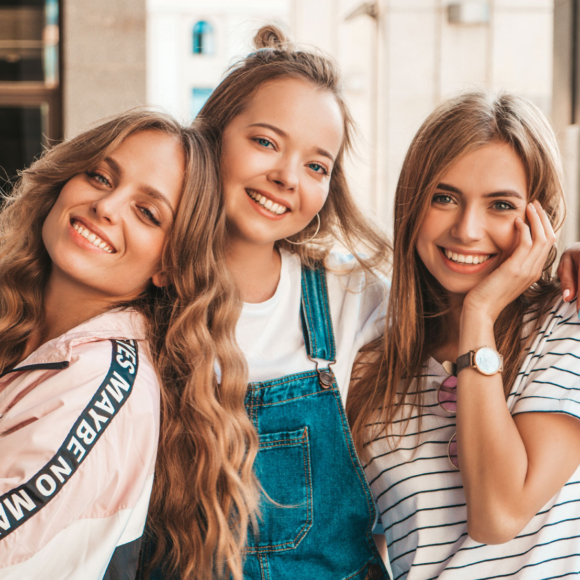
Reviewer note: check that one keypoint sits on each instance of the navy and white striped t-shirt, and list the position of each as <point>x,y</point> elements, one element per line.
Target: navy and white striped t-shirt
<point>420,496</point>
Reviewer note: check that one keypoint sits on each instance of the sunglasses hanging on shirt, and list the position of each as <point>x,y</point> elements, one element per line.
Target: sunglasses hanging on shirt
<point>447,399</point>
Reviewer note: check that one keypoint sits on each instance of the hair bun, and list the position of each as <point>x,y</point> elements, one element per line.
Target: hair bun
<point>271,36</point>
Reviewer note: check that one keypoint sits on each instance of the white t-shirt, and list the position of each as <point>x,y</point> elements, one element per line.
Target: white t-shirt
<point>420,496</point>
<point>270,333</point>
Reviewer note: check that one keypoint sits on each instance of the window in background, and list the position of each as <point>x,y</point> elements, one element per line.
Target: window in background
<point>30,100</point>
<point>203,38</point>
<point>198,98</point>
<point>21,135</point>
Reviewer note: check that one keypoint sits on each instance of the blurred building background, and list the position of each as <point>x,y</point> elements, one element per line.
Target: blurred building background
<point>67,63</point>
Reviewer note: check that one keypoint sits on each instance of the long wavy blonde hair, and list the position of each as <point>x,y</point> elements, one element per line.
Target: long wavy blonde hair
<point>209,492</point>
<point>203,464</point>
<point>417,302</point>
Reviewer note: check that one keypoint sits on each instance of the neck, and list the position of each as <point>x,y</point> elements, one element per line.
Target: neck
<point>454,316</point>
<point>255,268</point>
<point>450,323</point>
<point>66,305</point>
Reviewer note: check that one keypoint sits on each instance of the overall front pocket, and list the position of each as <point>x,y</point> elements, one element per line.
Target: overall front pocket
<point>283,469</point>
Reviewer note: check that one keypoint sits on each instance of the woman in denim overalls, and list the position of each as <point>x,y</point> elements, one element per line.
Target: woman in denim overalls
<point>280,126</point>
<point>316,510</point>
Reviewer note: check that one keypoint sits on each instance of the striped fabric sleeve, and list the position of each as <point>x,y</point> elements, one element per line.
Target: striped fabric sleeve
<point>550,378</point>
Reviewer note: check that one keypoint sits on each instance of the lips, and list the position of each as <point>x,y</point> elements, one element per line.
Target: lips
<point>91,236</point>
<point>460,258</point>
<point>268,204</point>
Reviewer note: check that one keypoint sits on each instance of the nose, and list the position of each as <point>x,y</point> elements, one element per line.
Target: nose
<point>285,173</point>
<point>109,206</point>
<point>468,226</point>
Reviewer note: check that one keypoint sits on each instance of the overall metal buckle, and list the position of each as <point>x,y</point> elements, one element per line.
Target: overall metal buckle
<point>325,377</point>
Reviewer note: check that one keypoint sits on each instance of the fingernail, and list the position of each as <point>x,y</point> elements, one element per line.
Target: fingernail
<point>565,294</point>
<point>578,314</point>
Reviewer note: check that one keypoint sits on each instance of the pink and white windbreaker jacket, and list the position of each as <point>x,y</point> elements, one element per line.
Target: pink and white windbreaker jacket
<point>79,424</point>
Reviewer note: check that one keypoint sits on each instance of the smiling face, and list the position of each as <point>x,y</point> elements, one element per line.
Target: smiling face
<point>277,158</point>
<point>108,227</point>
<point>469,229</point>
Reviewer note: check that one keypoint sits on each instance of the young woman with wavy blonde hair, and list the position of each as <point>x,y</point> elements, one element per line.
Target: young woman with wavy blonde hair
<point>94,286</point>
<point>474,461</point>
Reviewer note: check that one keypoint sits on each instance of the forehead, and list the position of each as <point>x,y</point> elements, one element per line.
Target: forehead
<point>147,144</point>
<point>491,167</point>
<point>153,158</point>
<point>303,111</point>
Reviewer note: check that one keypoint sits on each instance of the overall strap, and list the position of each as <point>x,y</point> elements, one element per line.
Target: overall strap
<point>315,311</point>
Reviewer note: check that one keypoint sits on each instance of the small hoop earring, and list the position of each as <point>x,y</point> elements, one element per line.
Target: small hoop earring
<point>309,239</point>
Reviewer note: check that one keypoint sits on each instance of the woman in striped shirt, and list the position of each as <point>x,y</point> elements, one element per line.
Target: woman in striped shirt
<point>474,460</point>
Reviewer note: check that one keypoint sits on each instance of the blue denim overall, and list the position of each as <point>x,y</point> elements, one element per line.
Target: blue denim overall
<point>317,510</point>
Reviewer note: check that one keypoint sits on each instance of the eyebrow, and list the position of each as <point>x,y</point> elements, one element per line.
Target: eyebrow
<point>492,195</point>
<point>146,189</point>
<point>282,133</point>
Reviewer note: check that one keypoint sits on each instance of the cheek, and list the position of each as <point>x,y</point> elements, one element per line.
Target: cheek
<point>505,237</point>
<point>315,198</point>
<point>431,228</point>
<point>51,223</point>
<point>235,173</point>
<point>424,249</point>
<point>238,160</point>
<point>148,250</point>
<point>47,229</point>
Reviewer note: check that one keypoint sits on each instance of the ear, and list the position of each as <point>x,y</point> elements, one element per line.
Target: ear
<point>159,279</point>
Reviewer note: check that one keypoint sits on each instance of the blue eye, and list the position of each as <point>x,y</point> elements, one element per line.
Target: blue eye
<point>99,178</point>
<point>442,198</point>
<point>318,168</point>
<point>148,214</point>
<point>264,142</point>
<point>503,206</point>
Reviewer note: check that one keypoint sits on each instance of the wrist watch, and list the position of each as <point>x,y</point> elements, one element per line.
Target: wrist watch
<point>485,360</point>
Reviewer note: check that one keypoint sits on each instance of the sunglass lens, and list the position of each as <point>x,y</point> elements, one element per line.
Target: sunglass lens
<point>452,452</point>
<point>447,394</point>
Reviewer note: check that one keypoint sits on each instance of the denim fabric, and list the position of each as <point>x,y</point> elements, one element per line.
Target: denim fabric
<point>317,510</point>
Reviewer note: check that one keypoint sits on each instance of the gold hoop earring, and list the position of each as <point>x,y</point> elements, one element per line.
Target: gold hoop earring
<point>309,239</point>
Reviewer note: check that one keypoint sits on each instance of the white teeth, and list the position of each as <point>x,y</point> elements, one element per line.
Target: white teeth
<point>92,237</point>
<point>266,203</point>
<point>466,258</point>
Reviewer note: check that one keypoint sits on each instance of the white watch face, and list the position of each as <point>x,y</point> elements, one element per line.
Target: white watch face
<point>487,360</point>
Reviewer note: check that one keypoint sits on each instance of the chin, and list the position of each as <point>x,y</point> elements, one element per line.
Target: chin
<point>457,287</point>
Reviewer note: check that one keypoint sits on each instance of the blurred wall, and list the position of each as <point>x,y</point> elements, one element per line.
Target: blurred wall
<point>104,64</point>
<point>566,108</point>
<point>174,71</point>
<point>399,64</point>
